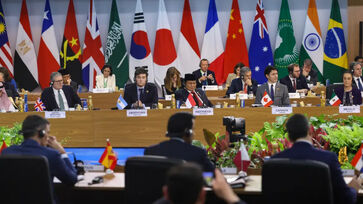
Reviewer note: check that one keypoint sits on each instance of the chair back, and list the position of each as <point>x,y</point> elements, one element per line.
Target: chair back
<point>330,90</point>
<point>296,181</point>
<point>25,179</point>
<point>145,177</point>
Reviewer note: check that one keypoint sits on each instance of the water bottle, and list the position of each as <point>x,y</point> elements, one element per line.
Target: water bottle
<point>327,83</point>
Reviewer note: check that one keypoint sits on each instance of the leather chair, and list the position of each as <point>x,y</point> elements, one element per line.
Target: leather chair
<point>296,181</point>
<point>25,179</point>
<point>145,177</point>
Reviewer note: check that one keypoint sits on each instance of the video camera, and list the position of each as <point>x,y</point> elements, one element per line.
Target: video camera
<point>236,127</point>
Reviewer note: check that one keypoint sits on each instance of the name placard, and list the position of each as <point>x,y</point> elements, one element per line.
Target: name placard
<point>168,97</point>
<point>203,111</point>
<point>349,109</point>
<point>210,88</point>
<point>232,96</point>
<point>294,95</point>
<point>136,113</point>
<point>243,96</point>
<point>101,90</point>
<point>281,110</point>
<point>55,114</point>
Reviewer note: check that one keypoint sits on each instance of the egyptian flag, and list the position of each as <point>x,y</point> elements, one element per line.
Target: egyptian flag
<point>25,60</point>
<point>70,49</point>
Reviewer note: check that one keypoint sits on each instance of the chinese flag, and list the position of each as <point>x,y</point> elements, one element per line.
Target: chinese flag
<point>236,49</point>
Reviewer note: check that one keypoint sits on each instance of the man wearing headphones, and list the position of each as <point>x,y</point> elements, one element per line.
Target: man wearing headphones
<point>37,141</point>
<point>59,96</point>
<point>67,79</point>
<point>203,75</point>
<point>356,69</point>
<point>295,81</point>
<point>244,84</point>
<point>180,130</point>
<point>140,93</point>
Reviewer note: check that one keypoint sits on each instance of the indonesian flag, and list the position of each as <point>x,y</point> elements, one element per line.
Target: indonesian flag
<point>212,47</point>
<point>108,158</point>
<point>164,50</point>
<point>266,100</point>
<point>357,160</point>
<point>48,55</point>
<point>190,102</point>
<point>242,160</point>
<point>188,50</point>
<point>3,146</point>
<point>335,101</point>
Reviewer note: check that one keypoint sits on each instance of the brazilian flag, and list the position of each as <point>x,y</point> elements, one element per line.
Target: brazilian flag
<point>335,50</point>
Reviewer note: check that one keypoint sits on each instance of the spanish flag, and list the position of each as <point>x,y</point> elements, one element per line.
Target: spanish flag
<point>108,158</point>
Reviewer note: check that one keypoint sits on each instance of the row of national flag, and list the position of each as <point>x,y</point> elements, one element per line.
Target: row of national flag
<point>31,70</point>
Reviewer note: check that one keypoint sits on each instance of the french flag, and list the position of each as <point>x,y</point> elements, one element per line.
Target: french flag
<point>48,55</point>
<point>212,47</point>
<point>357,161</point>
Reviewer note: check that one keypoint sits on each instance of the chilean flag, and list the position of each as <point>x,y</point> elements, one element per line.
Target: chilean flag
<point>164,50</point>
<point>212,48</point>
<point>140,52</point>
<point>48,55</point>
<point>93,58</point>
<point>357,160</point>
<point>188,50</point>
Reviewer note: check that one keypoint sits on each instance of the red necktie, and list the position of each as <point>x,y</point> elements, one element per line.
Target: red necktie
<point>294,83</point>
<point>245,88</point>
<point>197,99</point>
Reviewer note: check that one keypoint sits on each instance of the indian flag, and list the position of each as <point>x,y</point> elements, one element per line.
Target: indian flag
<point>312,44</point>
<point>335,101</point>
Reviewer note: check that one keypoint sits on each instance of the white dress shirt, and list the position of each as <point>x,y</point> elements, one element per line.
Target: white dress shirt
<point>269,87</point>
<point>66,107</point>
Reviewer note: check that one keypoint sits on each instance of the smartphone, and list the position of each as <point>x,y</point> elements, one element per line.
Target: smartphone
<point>208,178</point>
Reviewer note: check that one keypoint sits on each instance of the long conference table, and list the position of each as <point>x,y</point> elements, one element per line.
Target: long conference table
<point>92,128</point>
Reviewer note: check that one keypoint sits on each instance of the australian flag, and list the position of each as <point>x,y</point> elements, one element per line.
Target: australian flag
<point>260,53</point>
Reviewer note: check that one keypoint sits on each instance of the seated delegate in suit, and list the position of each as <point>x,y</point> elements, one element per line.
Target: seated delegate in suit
<point>236,74</point>
<point>5,103</point>
<point>297,127</point>
<point>203,75</point>
<point>198,95</point>
<point>244,84</point>
<point>37,141</point>
<point>310,74</point>
<point>59,96</point>
<point>347,93</point>
<point>8,83</point>
<point>295,82</point>
<point>180,130</point>
<point>172,81</point>
<point>277,92</point>
<point>140,93</point>
<point>67,79</point>
<point>356,69</point>
<point>106,79</point>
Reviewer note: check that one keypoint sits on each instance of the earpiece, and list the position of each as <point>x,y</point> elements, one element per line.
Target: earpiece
<point>188,132</point>
<point>41,133</point>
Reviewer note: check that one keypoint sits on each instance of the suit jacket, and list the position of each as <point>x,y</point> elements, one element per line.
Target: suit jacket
<point>10,90</point>
<point>150,95</point>
<point>111,82</point>
<point>312,77</point>
<point>355,84</point>
<point>281,94</point>
<point>48,98</point>
<point>236,86</point>
<point>197,75</point>
<point>300,83</point>
<point>59,167</point>
<point>177,149</point>
<point>303,150</point>
<point>74,86</point>
<point>182,95</point>
<point>357,97</point>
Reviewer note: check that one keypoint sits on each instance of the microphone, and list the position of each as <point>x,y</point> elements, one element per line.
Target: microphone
<point>200,98</point>
<point>78,164</point>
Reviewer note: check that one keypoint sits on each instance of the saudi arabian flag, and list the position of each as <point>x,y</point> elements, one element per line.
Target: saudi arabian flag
<point>116,54</point>
<point>335,50</point>
<point>286,51</point>
<point>312,43</point>
<point>334,101</point>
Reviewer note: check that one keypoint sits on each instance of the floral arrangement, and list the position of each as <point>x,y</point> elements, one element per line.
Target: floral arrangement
<point>11,135</point>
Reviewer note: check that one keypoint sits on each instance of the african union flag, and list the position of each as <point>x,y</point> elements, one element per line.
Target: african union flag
<point>335,50</point>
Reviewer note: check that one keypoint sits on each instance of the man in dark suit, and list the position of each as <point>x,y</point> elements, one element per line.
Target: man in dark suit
<point>298,130</point>
<point>310,74</point>
<point>276,91</point>
<point>67,79</point>
<point>198,95</point>
<point>37,141</point>
<point>180,130</point>
<point>243,84</point>
<point>203,75</point>
<point>59,96</point>
<point>140,94</point>
<point>295,82</point>
<point>356,70</point>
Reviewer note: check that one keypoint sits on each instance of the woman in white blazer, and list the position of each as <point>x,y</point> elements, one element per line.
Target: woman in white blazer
<point>106,79</point>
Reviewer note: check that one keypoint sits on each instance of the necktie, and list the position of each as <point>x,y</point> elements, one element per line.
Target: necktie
<point>245,88</point>
<point>205,82</point>
<point>61,102</point>
<point>141,94</point>
<point>196,99</point>
<point>360,85</point>
<point>272,93</point>
<point>294,84</point>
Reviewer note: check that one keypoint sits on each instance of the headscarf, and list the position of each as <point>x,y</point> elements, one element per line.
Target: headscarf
<point>5,103</point>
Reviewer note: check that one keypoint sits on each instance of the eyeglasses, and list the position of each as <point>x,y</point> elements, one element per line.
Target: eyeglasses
<point>59,81</point>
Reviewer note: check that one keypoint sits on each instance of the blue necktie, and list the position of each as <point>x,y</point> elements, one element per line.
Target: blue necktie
<point>360,85</point>
<point>141,93</point>
<point>205,82</point>
<point>272,94</point>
